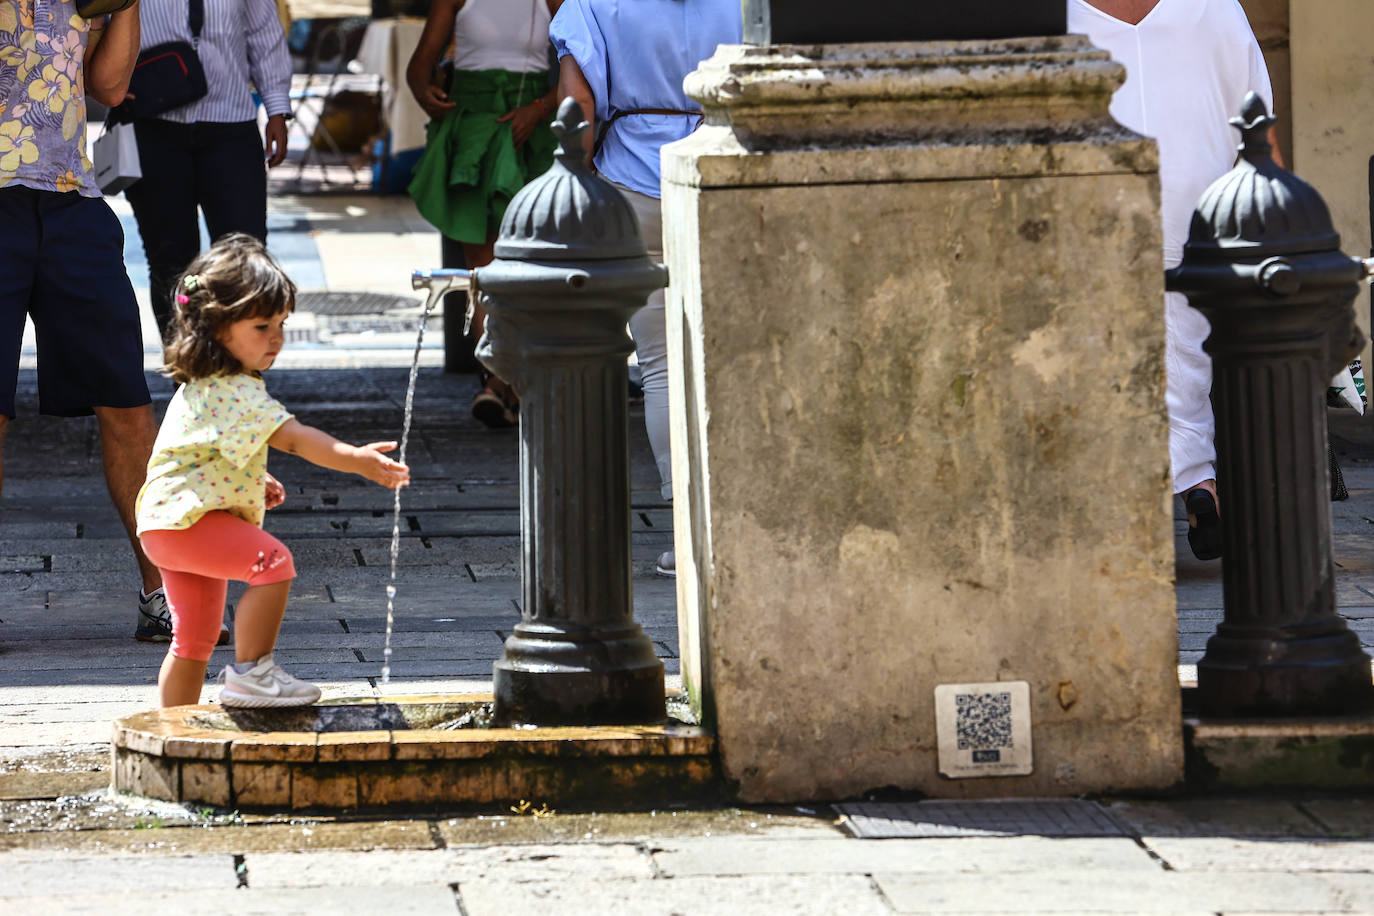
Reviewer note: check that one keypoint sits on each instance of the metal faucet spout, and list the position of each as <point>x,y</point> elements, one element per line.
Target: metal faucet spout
<point>441,280</point>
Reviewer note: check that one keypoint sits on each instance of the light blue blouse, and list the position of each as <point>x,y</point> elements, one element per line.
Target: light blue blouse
<point>634,54</point>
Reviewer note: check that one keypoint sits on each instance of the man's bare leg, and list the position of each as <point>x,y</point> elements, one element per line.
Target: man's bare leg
<point>126,444</point>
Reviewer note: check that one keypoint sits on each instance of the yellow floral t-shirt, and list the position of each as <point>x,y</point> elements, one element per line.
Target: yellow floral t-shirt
<point>43,97</point>
<point>211,453</point>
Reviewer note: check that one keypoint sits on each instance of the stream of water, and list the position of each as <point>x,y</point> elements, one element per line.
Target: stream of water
<point>436,291</point>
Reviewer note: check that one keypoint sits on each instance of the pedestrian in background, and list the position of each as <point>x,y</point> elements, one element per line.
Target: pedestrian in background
<point>1189,65</point>
<point>489,134</point>
<point>62,257</point>
<point>625,63</point>
<point>207,157</point>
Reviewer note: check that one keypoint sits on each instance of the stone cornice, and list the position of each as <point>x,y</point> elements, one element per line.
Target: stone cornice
<point>844,95</point>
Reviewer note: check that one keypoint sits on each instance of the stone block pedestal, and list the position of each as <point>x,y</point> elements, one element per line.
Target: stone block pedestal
<point>916,331</point>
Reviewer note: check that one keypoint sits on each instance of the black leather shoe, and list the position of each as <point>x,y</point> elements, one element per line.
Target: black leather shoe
<point>1204,528</point>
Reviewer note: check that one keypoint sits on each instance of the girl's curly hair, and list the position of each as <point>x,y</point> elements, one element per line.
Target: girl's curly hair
<point>234,280</point>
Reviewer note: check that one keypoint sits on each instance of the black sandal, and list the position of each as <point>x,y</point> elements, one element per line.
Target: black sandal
<point>493,409</point>
<point>1204,533</point>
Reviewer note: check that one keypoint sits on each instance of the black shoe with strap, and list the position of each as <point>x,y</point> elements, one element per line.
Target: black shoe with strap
<point>1204,523</point>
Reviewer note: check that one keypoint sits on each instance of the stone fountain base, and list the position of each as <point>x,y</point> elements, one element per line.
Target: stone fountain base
<point>423,750</point>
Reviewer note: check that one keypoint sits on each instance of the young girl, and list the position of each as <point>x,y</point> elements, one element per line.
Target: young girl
<point>200,511</point>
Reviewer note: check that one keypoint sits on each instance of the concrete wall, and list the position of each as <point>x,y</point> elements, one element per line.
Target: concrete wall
<point>1333,133</point>
<point>1269,19</point>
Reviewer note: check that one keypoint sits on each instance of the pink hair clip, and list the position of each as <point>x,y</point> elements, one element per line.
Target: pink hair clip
<point>183,299</point>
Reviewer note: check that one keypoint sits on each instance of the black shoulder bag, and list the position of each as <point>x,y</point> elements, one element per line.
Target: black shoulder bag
<point>166,76</point>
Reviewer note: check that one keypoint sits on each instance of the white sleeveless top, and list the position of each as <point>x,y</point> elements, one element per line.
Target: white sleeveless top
<point>502,35</point>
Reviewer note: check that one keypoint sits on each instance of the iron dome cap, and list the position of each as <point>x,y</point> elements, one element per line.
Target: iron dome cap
<point>1259,209</point>
<point>569,213</point>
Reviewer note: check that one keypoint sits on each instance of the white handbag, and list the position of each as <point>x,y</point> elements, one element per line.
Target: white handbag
<point>116,158</point>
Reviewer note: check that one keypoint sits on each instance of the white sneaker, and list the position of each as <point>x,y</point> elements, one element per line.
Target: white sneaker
<point>666,565</point>
<point>265,684</point>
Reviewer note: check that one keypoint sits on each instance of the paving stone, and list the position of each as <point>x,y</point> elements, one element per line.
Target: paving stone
<point>1126,892</point>
<point>12,714</point>
<point>1032,817</point>
<point>190,841</point>
<point>732,856</point>
<point>852,895</point>
<point>400,900</point>
<point>114,876</point>
<point>1231,855</point>
<point>1348,817</point>
<point>1216,818</point>
<point>448,866</point>
<point>15,739</point>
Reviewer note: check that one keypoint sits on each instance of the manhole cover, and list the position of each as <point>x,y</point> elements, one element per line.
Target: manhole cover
<point>332,303</point>
<point>1049,817</point>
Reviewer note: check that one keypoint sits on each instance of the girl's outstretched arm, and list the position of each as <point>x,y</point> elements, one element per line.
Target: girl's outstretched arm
<point>318,447</point>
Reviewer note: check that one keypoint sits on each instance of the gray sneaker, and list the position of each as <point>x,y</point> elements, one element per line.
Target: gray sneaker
<point>666,565</point>
<point>265,684</point>
<point>154,618</point>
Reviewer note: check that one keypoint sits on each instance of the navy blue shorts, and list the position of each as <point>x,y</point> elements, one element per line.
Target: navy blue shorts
<point>62,262</point>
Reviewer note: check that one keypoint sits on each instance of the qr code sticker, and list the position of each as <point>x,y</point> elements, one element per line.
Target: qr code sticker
<point>983,721</point>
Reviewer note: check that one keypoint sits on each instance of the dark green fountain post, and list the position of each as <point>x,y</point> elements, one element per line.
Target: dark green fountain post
<point>570,270</point>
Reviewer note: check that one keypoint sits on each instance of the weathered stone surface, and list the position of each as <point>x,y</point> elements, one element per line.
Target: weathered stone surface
<point>206,782</point>
<point>852,895</point>
<point>110,875</point>
<point>323,787</point>
<point>896,395</point>
<point>395,900</point>
<point>448,866</point>
<point>1215,854</point>
<point>1216,818</point>
<point>1126,892</point>
<point>260,785</point>
<point>144,774</point>
<point>1328,753</point>
<point>731,856</point>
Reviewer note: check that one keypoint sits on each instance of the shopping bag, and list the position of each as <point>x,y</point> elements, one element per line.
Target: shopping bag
<point>1347,388</point>
<point>116,158</point>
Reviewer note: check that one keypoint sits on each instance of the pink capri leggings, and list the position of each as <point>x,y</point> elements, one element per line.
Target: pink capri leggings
<point>196,564</point>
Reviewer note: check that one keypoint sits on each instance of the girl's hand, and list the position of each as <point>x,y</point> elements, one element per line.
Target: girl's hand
<point>434,101</point>
<point>276,493</point>
<point>380,469</point>
<point>523,121</point>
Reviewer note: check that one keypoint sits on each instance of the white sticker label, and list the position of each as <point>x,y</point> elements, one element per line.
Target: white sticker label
<point>983,729</point>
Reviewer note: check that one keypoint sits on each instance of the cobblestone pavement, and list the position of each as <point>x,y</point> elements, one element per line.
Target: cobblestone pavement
<point>68,666</point>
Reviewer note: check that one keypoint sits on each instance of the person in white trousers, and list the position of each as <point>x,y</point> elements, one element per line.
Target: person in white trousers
<point>1189,65</point>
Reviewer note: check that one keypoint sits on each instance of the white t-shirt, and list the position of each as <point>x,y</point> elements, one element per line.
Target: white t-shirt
<point>502,35</point>
<point>1189,65</point>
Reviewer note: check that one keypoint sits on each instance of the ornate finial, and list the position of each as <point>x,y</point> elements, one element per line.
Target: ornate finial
<point>569,128</point>
<point>1254,123</point>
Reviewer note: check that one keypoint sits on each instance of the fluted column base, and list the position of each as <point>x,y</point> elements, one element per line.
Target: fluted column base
<point>552,675</point>
<point>1285,674</point>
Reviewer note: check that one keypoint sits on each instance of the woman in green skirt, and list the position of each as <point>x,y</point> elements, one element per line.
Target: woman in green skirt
<point>489,133</point>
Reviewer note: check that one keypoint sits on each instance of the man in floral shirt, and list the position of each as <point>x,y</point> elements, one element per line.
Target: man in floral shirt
<point>62,248</point>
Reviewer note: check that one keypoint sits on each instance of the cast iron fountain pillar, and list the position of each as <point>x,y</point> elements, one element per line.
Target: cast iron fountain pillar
<point>1263,263</point>
<point>570,270</point>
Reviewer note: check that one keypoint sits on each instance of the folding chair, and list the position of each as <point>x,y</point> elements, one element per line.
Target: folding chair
<point>310,100</point>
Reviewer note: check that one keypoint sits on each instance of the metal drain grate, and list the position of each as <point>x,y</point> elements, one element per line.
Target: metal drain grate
<point>332,303</point>
<point>1043,817</point>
